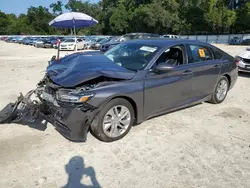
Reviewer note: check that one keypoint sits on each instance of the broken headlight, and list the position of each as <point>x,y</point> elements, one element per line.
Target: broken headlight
<point>73,96</point>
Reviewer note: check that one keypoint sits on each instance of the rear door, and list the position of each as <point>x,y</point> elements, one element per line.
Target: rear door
<point>206,69</point>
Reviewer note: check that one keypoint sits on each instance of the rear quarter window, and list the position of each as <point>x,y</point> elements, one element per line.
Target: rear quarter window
<point>200,54</point>
<point>217,54</point>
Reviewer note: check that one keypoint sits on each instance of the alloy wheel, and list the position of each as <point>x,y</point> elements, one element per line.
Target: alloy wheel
<point>222,89</point>
<point>116,121</point>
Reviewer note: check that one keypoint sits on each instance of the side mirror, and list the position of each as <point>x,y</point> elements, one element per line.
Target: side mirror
<point>164,68</point>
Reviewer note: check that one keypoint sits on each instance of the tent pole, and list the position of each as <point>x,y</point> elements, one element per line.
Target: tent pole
<point>75,36</point>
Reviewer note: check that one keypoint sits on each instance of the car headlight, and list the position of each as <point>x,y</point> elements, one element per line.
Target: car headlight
<point>73,97</point>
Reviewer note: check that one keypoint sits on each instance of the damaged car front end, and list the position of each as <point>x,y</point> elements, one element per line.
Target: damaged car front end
<point>63,96</point>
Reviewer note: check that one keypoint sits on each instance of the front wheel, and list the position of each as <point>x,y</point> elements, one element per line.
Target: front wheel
<point>114,121</point>
<point>221,90</point>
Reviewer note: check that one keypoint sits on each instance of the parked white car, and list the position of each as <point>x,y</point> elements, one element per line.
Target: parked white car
<point>71,44</point>
<point>170,36</point>
<point>243,61</point>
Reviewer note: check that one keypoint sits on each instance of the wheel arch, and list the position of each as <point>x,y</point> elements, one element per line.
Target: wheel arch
<point>228,78</point>
<point>130,100</point>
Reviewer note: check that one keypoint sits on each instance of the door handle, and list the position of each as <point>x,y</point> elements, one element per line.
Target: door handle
<point>187,72</point>
<point>217,66</point>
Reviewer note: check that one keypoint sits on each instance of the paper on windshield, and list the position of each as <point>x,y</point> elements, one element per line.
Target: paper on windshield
<point>148,49</point>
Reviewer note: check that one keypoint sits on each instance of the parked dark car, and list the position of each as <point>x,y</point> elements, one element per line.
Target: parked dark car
<point>98,45</point>
<point>235,41</point>
<point>47,43</point>
<point>10,39</point>
<point>245,42</point>
<point>127,37</point>
<point>132,82</point>
<point>28,41</point>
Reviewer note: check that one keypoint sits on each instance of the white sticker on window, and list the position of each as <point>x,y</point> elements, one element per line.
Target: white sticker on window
<point>148,49</point>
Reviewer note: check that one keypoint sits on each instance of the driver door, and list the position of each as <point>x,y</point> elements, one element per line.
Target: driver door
<point>165,91</point>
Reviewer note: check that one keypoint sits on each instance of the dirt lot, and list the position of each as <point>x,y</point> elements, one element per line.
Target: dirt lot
<point>203,146</point>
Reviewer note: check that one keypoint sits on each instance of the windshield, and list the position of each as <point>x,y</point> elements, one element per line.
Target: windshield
<point>69,40</point>
<point>132,56</point>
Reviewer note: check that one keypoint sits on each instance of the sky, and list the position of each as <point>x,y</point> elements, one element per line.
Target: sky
<point>21,6</point>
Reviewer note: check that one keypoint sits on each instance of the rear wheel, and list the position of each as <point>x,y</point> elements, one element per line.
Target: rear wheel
<point>221,90</point>
<point>114,121</point>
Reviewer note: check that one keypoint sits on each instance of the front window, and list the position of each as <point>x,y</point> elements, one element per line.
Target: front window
<point>132,56</point>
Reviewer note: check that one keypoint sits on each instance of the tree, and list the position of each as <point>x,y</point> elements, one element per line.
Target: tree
<point>4,23</point>
<point>218,16</point>
<point>123,16</point>
<point>57,7</point>
<point>38,18</point>
<point>243,19</point>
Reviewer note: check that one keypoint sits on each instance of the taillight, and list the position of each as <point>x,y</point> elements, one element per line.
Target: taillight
<point>237,60</point>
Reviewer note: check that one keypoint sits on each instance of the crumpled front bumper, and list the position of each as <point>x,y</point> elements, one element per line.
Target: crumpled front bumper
<point>71,121</point>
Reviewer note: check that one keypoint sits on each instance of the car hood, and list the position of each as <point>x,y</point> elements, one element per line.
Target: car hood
<point>245,55</point>
<point>67,43</point>
<point>78,68</point>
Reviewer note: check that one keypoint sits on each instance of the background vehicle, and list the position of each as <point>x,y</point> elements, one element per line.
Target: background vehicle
<point>235,41</point>
<point>90,44</point>
<point>127,37</point>
<point>243,61</point>
<point>170,36</point>
<point>71,44</point>
<point>98,45</point>
<point>48,43</point>
<point>57,41</point>
<point>27,41</point>
<point>39,43</point>
<point>132,82</point>
<point>245,42</point>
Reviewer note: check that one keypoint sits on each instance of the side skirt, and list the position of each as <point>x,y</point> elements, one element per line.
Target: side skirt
<point>169,110</point>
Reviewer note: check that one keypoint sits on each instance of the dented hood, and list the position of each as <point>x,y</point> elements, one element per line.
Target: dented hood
<point>78,68</point>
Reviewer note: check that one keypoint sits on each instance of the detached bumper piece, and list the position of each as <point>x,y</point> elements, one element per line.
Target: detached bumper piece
<point>23,108</point>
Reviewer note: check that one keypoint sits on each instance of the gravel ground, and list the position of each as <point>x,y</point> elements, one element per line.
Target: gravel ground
<point>203,146</point>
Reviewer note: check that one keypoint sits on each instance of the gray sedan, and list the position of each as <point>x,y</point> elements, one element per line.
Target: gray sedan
<point>132,82</point>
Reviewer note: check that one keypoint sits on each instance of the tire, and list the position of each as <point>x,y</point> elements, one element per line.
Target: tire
<point>104,134</point>
<point>215,98</point>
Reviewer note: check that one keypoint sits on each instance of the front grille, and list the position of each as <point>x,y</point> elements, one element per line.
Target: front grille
<point>246,61</point>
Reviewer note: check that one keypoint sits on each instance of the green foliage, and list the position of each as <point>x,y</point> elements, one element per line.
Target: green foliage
<point>124,16</point>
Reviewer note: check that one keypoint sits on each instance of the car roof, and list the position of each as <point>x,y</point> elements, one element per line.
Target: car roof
<point>163,41</point>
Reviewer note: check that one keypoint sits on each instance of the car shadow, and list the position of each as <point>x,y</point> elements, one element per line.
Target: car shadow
<point>76,170</point>
<point>244,74</point>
